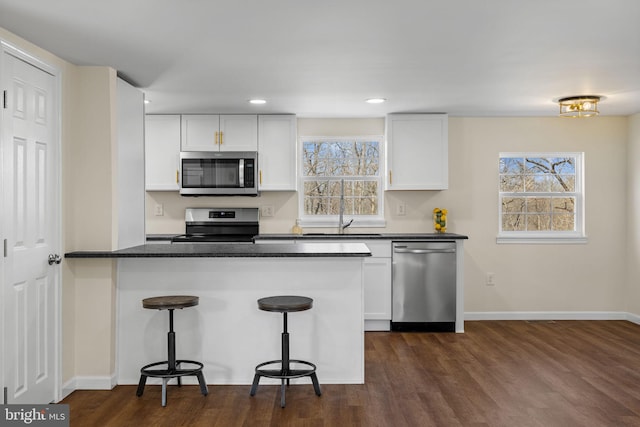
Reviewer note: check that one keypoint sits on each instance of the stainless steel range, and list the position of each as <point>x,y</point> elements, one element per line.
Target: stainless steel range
<point>219,225</point>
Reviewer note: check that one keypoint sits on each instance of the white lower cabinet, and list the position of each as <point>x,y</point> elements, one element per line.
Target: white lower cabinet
<point>377,286</point>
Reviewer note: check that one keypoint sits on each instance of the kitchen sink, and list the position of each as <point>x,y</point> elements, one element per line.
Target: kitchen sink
<point>343,236</point>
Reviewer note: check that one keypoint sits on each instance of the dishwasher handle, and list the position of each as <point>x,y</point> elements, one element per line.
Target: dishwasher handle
<point>405,250</point>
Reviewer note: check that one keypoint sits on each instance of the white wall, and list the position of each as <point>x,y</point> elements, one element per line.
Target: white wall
<point>587,277</point>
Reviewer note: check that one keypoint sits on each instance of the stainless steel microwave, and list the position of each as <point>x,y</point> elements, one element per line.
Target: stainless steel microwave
<point>219,173</point>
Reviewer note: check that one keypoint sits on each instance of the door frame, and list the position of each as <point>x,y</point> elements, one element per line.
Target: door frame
<point>33,60</point>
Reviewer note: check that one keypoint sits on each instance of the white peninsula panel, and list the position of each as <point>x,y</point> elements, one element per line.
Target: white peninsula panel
<point>227,331</point>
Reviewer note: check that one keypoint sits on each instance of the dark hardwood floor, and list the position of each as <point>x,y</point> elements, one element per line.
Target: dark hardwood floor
<point>498,373</point>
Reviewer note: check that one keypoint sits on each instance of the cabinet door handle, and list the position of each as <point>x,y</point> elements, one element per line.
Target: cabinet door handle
<point>390,178</point>
<point>260,174</point>
<point>217,137</point>
<point>221,138</point>
<point>177,177</point>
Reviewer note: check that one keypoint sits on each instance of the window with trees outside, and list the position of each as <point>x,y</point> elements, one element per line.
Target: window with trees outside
<point>541,198</point>
<point>341,172</point>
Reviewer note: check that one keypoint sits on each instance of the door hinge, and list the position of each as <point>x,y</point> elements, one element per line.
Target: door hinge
<point>5,396</point>
<point>5,247</point>
<point>4,98</point>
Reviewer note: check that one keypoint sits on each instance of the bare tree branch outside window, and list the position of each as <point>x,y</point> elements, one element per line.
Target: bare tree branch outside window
<point>327,161</point>
<point>538,193</point>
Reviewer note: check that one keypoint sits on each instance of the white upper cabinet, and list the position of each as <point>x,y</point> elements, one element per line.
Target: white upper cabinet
<point>277,152</point>
<point>417,152</point>
<point>226,132</point>
<point>162,152</point>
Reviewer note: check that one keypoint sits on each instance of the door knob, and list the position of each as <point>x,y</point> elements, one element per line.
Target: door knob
<point>54,258</point>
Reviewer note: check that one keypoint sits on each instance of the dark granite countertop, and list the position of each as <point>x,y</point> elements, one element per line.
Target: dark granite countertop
<point>362,236</point>
<point>231,250</point>
<point>333,236</point>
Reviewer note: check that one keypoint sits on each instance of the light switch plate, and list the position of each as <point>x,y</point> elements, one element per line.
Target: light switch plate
<point>159,209</point>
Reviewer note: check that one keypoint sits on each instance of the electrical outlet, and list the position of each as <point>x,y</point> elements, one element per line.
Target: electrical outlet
<point>159,209</point>
<point>401,209</point>
<point>491,279</point>
<point>267,211</point>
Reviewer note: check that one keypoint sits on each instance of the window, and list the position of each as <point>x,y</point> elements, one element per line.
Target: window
<point>541,198</point>
<point>341,172</point>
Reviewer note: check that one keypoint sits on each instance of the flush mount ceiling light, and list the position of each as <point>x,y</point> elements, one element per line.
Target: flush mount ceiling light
<point>375,100</point>
<point>257,101</point>
<point>579,106</point>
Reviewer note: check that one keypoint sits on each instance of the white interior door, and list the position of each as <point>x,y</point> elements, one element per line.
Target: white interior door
<point>30,232</point>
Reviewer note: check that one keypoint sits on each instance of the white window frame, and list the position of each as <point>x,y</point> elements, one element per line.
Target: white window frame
<point>331,221</point>
<point>560,237</point>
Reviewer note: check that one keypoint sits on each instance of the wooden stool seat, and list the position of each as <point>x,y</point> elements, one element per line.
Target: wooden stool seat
<point>285,303</point>
<point>282,368</point>
<point>170,302</point>
<point>172,367</point>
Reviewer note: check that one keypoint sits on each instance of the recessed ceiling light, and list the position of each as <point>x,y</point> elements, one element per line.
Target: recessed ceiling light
<point>376,100</point>
<point>257,101</point>
<point>146,101</point>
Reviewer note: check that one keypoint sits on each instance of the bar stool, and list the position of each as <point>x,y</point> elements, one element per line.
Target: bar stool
<point>173,368</point>
<point>285,304</point>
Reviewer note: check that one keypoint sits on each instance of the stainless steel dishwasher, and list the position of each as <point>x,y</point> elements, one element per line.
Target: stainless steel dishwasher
<point>424,286</point>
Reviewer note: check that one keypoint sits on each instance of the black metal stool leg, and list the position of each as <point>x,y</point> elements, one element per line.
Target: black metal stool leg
<point>284,351</point>
<point>254,386</point>
<point>285,359</point>
<point>141,384</point>
<point>282,391</point>
<point>316,385</point>
<point>203,385</point>
<point>171,343</point>
<point>171,349</point>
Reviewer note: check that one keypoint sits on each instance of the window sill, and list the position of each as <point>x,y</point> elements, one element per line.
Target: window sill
<point>542,239</point>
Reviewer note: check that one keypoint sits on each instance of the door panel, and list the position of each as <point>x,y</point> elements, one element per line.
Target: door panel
<point>30,227</point>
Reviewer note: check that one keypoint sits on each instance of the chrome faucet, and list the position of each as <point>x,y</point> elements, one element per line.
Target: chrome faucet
<point>341,224</point>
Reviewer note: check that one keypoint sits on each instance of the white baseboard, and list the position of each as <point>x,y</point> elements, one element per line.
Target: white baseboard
<point>88,383</point>
<point>377,325</point>
<point>552,315</point>
<point>635,318</point>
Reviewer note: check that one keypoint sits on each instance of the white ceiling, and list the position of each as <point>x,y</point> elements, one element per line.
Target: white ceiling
<point>324,58</point>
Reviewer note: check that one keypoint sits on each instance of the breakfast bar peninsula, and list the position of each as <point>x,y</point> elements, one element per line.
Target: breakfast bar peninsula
<point>226,331</point>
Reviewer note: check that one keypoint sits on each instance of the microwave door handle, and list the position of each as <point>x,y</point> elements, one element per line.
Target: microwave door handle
<point>241,173</point>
